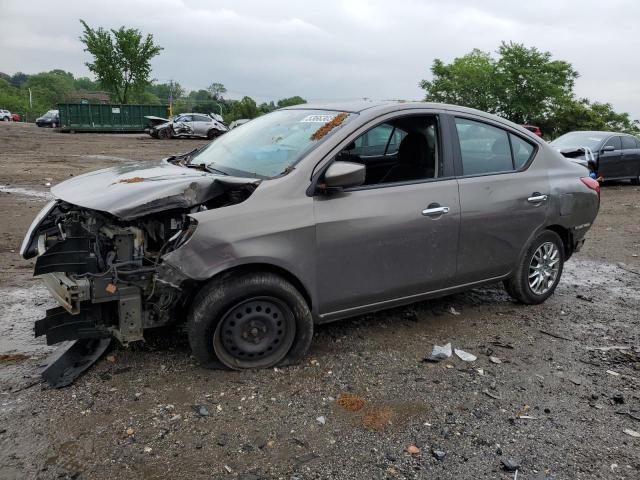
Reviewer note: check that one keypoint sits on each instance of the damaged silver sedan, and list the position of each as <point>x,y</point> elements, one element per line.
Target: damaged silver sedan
<point>303,216</point>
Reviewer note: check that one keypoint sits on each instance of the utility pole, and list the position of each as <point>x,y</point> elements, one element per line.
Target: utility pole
<point>30,105</point>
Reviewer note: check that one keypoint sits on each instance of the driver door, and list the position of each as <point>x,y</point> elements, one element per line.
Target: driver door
<point>382,244</point>
<point>183,125</point>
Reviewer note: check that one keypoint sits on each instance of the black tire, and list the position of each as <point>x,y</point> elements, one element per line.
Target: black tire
<point>518,285</point>
<point>164,134</point>
<point>211,134</point>
<point>215,308</point>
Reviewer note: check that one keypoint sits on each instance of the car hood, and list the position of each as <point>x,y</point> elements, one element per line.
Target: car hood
<point>132,191</point>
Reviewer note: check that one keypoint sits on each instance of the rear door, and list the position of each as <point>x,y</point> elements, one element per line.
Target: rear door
<point>201,125</point>
<point>630,156</point>
<point>503,197</point>
<point>610,164</point>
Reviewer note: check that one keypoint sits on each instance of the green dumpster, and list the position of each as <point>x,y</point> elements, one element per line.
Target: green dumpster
<point>78,117</point>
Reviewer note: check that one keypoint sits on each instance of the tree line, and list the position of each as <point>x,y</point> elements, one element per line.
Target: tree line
<point>47,89</point>
<point>524,85</point>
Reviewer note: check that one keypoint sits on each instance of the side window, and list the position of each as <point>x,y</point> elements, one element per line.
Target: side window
<point>522,151</point>
<point>413,151</point>
<point>614,142</point>
<point>628,143</point>
<point>484,149</point>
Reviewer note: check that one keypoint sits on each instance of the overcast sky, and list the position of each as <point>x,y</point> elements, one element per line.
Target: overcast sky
<point>332,49</point>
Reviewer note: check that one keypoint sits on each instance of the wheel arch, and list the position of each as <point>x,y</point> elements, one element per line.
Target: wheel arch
<point>269,268</point>
<point>566,236</point>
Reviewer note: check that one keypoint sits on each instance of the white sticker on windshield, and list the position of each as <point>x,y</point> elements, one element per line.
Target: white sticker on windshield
<point>317,118</point>
<point>595,139</point>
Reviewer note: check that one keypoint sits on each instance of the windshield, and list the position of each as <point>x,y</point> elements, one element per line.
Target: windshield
<point>50,113</point>
<point>268,145</point>
<point>579,139</point>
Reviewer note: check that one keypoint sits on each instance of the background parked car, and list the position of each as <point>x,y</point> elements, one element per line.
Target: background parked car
<point>186,125</point>
<point>534,129</point>
<point>609,155</point>
<point>5,115</point>
<point>15,117</point>
<point>49,119</point>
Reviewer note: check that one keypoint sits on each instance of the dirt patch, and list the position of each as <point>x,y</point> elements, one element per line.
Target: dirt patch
<point>264,423</point>
<point>377,419</point>
<point>350,402</point>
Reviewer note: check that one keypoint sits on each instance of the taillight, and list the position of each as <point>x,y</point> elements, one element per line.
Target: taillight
<point>592,184</point>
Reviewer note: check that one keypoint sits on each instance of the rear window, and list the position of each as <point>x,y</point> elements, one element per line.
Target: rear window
<point>521,149</point>
<point>629,143</point>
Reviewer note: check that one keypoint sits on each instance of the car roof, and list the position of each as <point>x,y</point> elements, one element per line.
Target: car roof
<point>373,108</point>
<point>598,132</point>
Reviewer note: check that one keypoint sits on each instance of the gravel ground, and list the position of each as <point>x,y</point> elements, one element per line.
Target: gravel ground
<point>363,404</point>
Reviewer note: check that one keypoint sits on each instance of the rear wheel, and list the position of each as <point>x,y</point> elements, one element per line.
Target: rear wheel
<point>635,181</point>
<point>254,320</point>
<point>539,270</point>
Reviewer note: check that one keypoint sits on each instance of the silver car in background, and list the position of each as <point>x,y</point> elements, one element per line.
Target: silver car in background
<point>308,215</point>
<point>188,125</point>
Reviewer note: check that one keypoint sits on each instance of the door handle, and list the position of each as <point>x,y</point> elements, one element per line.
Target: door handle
<point>537,198</point>
<point>435,211</point>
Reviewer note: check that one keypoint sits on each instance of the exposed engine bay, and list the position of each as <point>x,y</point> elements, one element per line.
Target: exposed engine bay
<point>107,273</point>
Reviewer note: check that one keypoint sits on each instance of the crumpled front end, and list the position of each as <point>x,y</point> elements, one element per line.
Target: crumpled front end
<point>106,274</point>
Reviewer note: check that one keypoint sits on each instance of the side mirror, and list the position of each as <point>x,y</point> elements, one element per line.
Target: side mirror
<point>344,175</point>
<point>609,148</point>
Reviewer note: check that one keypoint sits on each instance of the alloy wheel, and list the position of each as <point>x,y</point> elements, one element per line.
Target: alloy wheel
<point>544,268</point>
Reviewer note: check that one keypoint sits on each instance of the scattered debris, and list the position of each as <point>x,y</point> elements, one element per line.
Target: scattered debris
<point>350,402</point>
<point>465,356</point>
<point>554,335</point>
<point>502,345</point>
<point>147,450</point>
<point>618,399</point>
<point>453,311</point>
<point>201,410</point>
<point>438,454</point>
<point>585,298</point>
<point>439,353</point>
<point>130,431</point>
<point>575,380</point>
<point>510,465</point>
<point>492,395</point>
<point>493,359</point>
<point>321,420</point>
<point>631,433</point>
<point>611,372</point>
<point>413,450</point>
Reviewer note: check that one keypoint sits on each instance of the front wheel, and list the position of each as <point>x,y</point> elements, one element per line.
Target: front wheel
<point>538,272</point>
<point>253,320</point>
